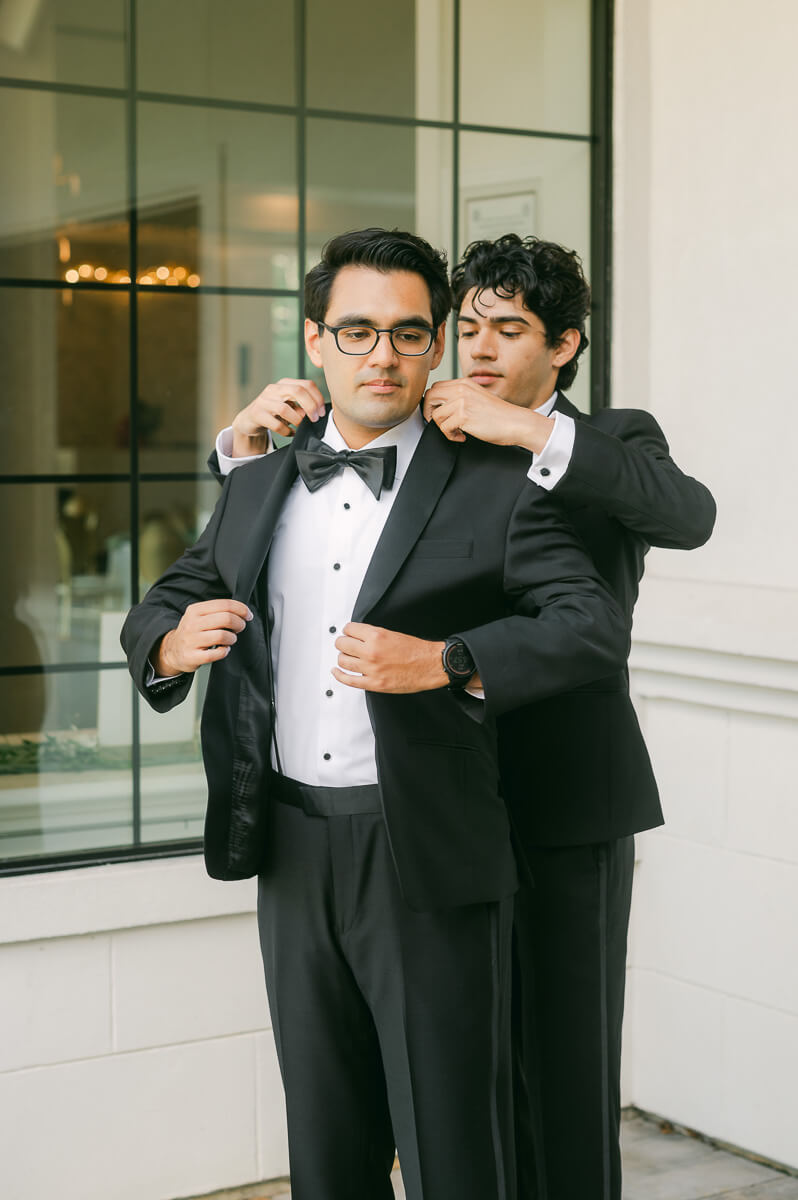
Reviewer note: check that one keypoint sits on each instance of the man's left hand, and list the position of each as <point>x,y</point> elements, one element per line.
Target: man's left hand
<point>460,406</point>
<point>385,661</point>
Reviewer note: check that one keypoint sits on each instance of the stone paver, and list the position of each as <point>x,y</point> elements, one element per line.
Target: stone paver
<point>661,1165</point>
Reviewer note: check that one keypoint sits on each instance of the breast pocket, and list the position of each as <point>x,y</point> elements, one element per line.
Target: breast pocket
<point>443,548</point>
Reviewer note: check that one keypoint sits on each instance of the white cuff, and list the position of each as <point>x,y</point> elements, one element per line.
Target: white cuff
<point>224,451</point>
<point>477,693</point>
<point>153,678</point>
<point>550,465</point>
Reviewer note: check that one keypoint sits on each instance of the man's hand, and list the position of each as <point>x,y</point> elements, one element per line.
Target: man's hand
<point>386,661</point>
<point>279,408</point>
<point>460,406</point>
<point>205,634</point>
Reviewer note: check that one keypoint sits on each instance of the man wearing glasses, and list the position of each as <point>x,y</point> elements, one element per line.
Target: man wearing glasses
<point>350,590</point>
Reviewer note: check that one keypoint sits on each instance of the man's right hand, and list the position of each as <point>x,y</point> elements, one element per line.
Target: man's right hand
<point>278,409</point>
<point>205,634</point>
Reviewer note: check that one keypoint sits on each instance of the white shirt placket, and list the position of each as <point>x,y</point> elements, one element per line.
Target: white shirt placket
<point>342,578</point>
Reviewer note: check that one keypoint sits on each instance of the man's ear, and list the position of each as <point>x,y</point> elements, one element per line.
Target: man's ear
<point>312,339</point>
<point>438,346</point>
<point>567,347</point>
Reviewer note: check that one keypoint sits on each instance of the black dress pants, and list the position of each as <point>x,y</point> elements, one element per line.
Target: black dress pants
<point>392,1027</point>
<point>569,973</point>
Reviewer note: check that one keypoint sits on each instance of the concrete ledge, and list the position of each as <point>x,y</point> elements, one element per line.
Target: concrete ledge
<point>93,900</point>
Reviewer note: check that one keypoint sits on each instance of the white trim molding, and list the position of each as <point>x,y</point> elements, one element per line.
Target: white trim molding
<point>99,899</point>
<point>718,679</point>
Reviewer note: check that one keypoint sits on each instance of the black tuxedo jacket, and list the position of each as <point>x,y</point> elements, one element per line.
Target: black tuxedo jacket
<point>590,778</point>
<point>470,546</point>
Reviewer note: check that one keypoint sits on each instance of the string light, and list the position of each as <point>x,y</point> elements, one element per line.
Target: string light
<point>170,276</point>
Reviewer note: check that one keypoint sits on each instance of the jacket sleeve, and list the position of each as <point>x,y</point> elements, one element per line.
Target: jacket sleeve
<point>564,629</point>
<point>629,474</point>
<point>192,578</point>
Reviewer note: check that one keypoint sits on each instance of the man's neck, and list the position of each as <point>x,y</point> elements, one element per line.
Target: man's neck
<point>358,436</point>
<point>542,401</point>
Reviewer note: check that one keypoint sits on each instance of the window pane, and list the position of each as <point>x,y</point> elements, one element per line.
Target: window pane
<point>361,174</point>
<point>65,41</point>
<point>524,185</point>
<point>172,515</point>
<point>64,188</point>
<point>64,380</point>
<point>236,50</point>
<point>201,359</point>
<point>65,777</point>
<point>173,790</point>
<point>173,787</point>
<point>392,59</point>
<point>66,566</point>
<point>545,44</point>
<point>217,191</point>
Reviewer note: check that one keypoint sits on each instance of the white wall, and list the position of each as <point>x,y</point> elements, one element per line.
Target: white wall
<point>136,1058</point>
<point>706,261</point>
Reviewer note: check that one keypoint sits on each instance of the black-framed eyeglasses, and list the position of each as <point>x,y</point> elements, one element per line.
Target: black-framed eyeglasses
<point>409,340</point>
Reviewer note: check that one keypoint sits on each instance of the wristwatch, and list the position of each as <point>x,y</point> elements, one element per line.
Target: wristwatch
<point>457,662</point>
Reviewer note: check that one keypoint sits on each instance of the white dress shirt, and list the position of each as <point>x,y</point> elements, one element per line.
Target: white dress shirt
<point>322,546</point>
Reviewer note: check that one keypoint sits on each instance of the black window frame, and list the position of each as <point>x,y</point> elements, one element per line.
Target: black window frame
<point>600,140</point>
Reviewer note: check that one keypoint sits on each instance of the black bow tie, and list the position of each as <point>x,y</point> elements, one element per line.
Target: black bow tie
<point>319,463</point>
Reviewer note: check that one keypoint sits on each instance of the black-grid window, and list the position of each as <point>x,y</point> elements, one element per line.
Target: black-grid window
<point>170,168</point>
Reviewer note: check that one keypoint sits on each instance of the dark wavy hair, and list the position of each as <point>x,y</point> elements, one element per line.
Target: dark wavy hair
<point>383,250</point>
<point>548,277</point>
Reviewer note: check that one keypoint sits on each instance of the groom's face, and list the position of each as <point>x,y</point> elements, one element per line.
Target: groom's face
<point>373,392</point>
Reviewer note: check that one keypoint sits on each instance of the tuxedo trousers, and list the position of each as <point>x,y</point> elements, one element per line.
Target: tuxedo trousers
<point>392,1027</point>
<point>569,951</point>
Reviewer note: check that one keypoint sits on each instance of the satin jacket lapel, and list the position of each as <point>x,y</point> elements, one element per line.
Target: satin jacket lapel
<point>264,521</point>
<point>426,478</point>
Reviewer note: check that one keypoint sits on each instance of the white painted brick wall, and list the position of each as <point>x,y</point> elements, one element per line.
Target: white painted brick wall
<point>712,1016</point>
<point>703,200</point>
<point>187,982</point>
<point>136,1061</point>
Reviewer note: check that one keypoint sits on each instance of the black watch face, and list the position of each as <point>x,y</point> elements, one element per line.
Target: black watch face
<point>459,661</point>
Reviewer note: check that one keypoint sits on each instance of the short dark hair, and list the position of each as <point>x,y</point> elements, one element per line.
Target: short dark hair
<point>548,277</point>
<point>383,250</point>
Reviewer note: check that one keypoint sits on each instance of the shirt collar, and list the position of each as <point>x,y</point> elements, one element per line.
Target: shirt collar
<point>545,409</point>
<point>404,436</point>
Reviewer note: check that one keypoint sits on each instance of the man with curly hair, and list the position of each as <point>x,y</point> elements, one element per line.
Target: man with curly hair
<point>575,771</point>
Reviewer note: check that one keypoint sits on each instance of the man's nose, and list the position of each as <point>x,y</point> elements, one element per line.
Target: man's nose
<point>383,353</point>
<point>482,344</point>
